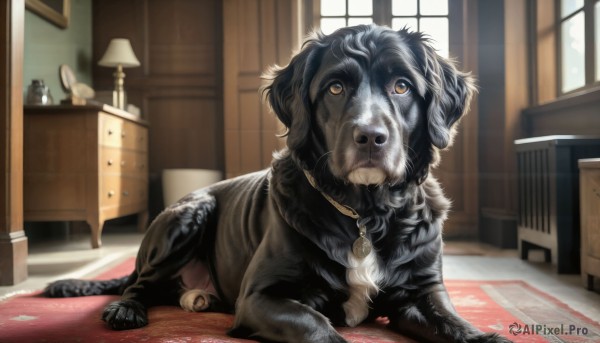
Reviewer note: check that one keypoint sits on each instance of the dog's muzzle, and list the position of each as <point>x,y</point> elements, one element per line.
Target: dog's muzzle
<point>370,143</point>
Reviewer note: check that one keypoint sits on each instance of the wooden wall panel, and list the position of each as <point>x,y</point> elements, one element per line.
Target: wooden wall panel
<point>250,126</point>
<point>575,115</point>
<point>517,95</point>
<point>188,47</point>
<point>117,19</point>
<point>458,170</point>
<point>250,119</point>
<point>504,92</point>
<point>174,145</point>
<point>232,151</point>
<point>179,84</point>
<point>257,34</point>
<point>250,144</point>
<point>249,31</point>
<point>13,242</point>
<point>545,62</point>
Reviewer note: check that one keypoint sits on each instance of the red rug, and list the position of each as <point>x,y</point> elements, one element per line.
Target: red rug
<point>511,308</point>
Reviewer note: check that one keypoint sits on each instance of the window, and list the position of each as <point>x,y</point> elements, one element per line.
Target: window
<point>340,13</point>
<point>428,16</point>
<point>572,32</point>
<point>579,52</point>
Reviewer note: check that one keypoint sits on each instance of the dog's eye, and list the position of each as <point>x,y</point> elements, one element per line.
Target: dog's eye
<point>401,87</point>
<point>336,88</point>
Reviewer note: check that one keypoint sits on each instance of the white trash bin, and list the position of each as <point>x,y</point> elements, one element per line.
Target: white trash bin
<point>176,183</point>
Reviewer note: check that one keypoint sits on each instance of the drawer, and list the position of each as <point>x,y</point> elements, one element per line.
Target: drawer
<point>119,161</point>
<point>118,190</point>
<point>135,136</point>
<point>121,133</point>
<point>50,193</point>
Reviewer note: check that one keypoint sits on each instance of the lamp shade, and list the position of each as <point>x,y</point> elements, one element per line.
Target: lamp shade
<point>119,52</point>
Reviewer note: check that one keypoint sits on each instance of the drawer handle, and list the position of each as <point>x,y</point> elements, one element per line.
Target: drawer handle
<point>111,193</point>
<point>123,134</point>
<point>122,163</point>
<point>110,132</point>
<point>125,193</point>
<point>110,162</point>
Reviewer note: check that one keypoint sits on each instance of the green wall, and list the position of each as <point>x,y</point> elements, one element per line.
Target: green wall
<point>48,46</point>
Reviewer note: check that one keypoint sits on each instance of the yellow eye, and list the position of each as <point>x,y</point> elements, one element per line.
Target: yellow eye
<point>336,88</point>
<point>401,87</point>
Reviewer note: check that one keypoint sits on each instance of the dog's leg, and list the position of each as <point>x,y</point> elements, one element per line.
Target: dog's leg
<point>432,318</point>
<point>281,320</point>
<point>174,238</point>
<point>83,288</point>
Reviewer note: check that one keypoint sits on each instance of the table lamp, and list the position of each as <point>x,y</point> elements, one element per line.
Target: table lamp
<point>119,54</point>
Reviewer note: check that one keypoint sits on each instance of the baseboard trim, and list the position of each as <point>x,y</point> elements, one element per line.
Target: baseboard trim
<point>13,258</point>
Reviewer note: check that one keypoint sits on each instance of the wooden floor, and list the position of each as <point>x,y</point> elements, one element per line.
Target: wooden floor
<point>73,258</point>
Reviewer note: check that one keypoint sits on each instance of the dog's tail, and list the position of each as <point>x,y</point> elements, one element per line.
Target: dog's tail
<point>80,288</point>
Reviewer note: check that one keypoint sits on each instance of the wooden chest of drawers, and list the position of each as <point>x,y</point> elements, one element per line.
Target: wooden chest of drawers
<point>84,163</point>
<point>590,219</point>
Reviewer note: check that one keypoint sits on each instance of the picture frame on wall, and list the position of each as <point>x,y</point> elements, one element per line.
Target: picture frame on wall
<point>55,11</point>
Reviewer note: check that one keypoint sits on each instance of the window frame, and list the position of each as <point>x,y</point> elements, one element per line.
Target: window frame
<point>590,49</point>
<point>418,16</point>
<point>382,15</point>
<point>314,8</point>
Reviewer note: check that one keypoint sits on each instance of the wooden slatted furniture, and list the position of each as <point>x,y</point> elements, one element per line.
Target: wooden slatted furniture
<point>590,219</point>
<point>84,163</point>
<point>548,185</point>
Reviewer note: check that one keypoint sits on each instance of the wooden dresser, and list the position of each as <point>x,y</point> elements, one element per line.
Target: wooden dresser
<point>84,163</point>
<point>590,220</point>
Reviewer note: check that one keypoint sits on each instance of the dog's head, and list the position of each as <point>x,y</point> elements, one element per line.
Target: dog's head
<point>370,103</point>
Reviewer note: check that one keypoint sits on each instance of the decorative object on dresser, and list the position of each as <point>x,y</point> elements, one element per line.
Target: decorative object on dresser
<point>548,193</point>
<point>77,92</point>
<point>38,93</point>
<point>119,54</point>
<point>84,163</point>
<point>590,220</point>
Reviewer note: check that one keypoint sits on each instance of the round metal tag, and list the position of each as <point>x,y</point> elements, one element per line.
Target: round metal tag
<point>361,247</point>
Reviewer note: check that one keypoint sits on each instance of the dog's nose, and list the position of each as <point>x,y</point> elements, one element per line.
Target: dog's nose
<point>370,136</point>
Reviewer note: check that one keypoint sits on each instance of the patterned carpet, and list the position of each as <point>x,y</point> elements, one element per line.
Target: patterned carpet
<point>511,308</point>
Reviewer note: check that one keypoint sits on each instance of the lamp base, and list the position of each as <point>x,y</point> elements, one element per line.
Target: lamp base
<point>119,99</point>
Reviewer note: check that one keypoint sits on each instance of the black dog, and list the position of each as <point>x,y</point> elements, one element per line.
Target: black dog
<point>344,227</point>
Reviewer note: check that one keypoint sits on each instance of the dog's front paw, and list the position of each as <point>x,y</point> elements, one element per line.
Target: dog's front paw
<point>125,315</point>
<point>489,338</point>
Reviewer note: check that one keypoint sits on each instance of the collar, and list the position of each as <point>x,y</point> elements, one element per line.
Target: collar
<point>343,209</point>
<point>362,246</point>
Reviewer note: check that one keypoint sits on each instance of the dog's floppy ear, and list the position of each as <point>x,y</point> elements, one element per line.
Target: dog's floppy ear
<point>449,91</point>
<point>287,92</point>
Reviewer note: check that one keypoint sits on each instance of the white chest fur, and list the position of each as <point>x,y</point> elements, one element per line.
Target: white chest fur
<point>363,277</point>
